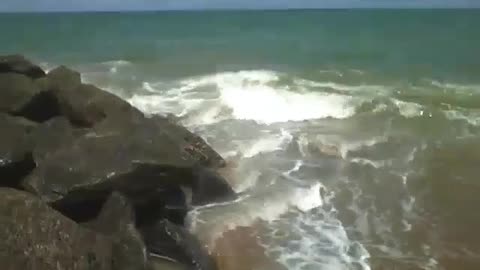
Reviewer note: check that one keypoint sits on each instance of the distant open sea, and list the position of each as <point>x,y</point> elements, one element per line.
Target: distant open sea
<point>354,135</point>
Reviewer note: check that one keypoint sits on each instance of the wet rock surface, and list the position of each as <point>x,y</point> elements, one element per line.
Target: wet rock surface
<point>117,219</point>
<point>15,148</point>
<point>174,243</point>
<point>88,182</point>
<point>34,236</point>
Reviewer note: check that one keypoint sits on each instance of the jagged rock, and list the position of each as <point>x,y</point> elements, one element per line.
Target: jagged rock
<point>87,145</point>
<point>192,146</point>
<point>87,105</point>
<point>117,219</point>
<point>15,150</point>
<point>18,64</point>
<point>52,135</point>
<point>210,187</point>
<point>34,236</point>
<point>168,202</point>
<point>16,91</point>
<point>136,160</point>
<point>83,104</point>
<point>46,105</point>
<point>168,241</point>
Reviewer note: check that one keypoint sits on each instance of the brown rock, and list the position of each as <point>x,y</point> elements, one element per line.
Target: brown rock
<point>34,236</point>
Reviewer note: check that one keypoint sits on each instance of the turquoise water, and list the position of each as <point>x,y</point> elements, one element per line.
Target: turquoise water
<point>378,109</point>
<point>440,43</point>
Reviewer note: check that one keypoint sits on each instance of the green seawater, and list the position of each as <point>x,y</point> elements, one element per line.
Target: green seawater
<point>439,43</point>
<point>380,109</point>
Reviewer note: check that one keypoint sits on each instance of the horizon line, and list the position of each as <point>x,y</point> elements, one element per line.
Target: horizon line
<point>236,9</point>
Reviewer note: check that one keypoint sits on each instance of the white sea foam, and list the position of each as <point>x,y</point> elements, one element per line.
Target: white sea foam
<point>379,90</point>
<point>269,143</point>
<point>316,241</point>
<point>268,204</point>
<point>374,163</point>
<point>408,109</point>
<point>270,195</point>
<point>246,95</point>
<point>47,66</point>
<point>472,116</point>
<point>466,88</point>
<point>115,65</point>
<point>347,147</point>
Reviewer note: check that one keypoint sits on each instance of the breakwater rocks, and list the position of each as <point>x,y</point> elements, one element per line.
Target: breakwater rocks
<point>87,181</point>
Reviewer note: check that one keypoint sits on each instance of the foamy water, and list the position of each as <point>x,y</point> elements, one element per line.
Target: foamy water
<point>313,167</point>
<point>245,95</point>
<point>354,144</point>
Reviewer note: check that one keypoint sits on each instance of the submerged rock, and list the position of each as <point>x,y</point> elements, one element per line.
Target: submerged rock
<point>34,236</point>
<point>173,243</point>
<point>18,64</point>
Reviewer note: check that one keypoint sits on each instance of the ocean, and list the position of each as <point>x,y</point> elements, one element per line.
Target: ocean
<point>352,135</point>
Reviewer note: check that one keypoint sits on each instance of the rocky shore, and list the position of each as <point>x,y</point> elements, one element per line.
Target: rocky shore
<point>89,182</point>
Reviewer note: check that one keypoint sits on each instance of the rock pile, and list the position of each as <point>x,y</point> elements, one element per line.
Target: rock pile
<point>88,182</point>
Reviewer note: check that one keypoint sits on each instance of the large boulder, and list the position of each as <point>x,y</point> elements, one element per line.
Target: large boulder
<point>191,146</point>
<point>87,105</point>
<point>134,161</point>
<point>166,201</point>
<point>16,92</point>
<point>34,236</point>
<point>83,104</point>
<point>15,150</point>
<point>170,242</point>
<point>18,64</point>
<point>117,219</point>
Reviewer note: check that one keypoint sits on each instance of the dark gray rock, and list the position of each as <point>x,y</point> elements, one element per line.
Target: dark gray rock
<point>83,104</point>
<point>34,236</point>
<point>15,150</point>
<point>18,64</point>
<point>167,201</point>
<point>16,91</point>
<point>134,160</point>
<point>117,219</point>
<point>192,145</point>
<point>209,187</point>
<point>171,242</point>
<point>51,136</point>
<point>87,105</point>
